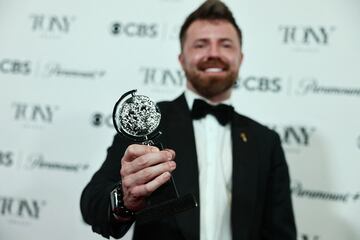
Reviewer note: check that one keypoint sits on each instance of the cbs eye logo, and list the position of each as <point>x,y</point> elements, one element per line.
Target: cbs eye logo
<point>99,119</point>
<point>6,159</point>
<point>133,29</point>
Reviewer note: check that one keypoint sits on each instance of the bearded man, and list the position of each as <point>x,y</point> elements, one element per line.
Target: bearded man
<point>234,166</point>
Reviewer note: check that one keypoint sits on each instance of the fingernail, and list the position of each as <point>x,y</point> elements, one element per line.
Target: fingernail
<point>154,149</point>
<point>172,165</point>
<point>168,155</point>
<point>167,175</point>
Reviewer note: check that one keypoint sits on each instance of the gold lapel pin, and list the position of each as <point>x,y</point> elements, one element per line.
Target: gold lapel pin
<point>243,137</point>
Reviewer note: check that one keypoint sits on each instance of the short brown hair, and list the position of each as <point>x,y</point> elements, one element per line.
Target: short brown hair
<point>209,10</point>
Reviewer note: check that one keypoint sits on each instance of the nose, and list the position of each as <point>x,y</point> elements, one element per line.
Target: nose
<point>214,51</point>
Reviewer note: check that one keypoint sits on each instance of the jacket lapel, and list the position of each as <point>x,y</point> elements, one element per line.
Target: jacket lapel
<point>244,177</point>
<point>179,135</point>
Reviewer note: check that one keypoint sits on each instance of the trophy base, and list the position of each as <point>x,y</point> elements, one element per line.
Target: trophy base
<point>166,208</point>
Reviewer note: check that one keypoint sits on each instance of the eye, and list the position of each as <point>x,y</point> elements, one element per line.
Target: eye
<point>199,45</point>
<point>226,44</point>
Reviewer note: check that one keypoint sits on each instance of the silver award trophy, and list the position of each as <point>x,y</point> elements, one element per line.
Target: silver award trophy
<point>138,117</point>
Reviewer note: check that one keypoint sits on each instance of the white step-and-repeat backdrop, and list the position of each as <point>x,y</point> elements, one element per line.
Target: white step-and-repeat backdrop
<point>63,65</point>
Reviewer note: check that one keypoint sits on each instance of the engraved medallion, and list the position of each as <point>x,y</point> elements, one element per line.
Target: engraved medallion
<point>136,116</point>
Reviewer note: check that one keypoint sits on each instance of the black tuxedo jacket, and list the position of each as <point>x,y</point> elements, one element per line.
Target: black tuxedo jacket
<point>261,203</point>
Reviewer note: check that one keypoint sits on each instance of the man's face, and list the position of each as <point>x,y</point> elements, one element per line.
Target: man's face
<point>211,57</point>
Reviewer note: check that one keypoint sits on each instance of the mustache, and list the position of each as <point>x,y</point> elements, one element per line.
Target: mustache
<point>213,63</point>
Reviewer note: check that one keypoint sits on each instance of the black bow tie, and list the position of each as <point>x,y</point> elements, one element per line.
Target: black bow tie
<point>222,112</point>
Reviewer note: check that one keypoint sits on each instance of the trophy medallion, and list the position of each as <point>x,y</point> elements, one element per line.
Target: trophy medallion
<point>137,117</point>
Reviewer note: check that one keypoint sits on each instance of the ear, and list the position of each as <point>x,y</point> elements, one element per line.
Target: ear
<point>241,57</point>
<point>181,59</point>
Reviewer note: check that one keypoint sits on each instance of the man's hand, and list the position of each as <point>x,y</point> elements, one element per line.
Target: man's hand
<point>143,170</point>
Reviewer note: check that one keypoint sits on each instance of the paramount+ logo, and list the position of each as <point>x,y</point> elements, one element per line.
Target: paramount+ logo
<point>134,29</point>
<point>308,86</point>
<point>298,190</point>
<point>22,209</point>
<point>55,69</point>
<point>38,161</point>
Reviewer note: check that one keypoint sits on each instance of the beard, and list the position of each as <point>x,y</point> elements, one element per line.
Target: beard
<point>208,85</point>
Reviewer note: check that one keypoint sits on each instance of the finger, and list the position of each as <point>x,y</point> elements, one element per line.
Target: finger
<point>147,160</point>
<point>146,189</point>
<point>171,151</point>
<point>145,175</point>
<point>135,150</point>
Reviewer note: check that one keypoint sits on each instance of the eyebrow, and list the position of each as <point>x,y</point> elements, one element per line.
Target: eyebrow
<point>207,39</point>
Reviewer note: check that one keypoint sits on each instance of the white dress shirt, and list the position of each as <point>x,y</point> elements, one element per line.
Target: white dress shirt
<point>214,155</point>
